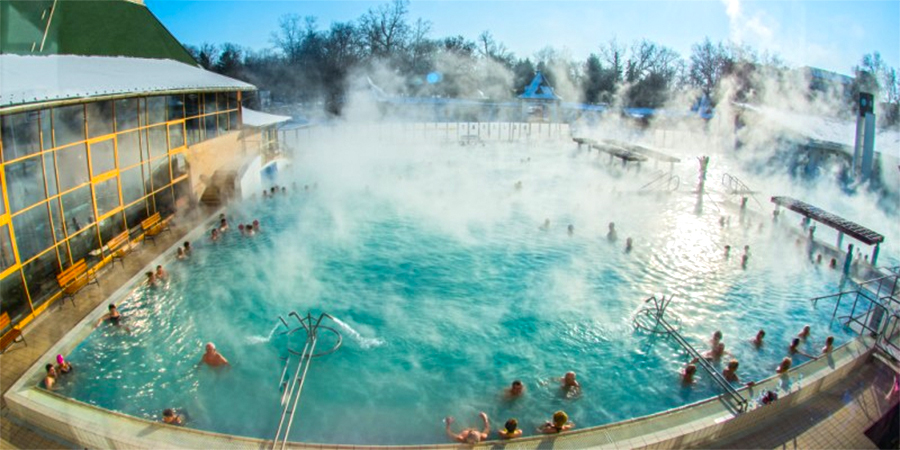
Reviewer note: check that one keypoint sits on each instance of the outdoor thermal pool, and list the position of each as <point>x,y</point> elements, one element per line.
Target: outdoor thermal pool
<point>447,290</point>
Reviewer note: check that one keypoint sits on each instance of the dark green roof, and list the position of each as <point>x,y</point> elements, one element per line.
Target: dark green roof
<point>86,27</point>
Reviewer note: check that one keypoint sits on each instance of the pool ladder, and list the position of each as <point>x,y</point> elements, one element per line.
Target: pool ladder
<point>650,318</point>
<point>293,387</point>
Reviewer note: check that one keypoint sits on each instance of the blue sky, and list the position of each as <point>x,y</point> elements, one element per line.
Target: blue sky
<point>829,34</point>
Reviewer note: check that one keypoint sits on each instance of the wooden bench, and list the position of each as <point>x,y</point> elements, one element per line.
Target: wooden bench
<point>74,279</point>
<point>153,226</point>
<point>118,247</point>
<point>14,335</point>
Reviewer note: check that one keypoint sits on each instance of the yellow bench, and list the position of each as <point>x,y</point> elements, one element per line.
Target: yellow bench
<point>118,247</point>
<point>153,226</point>
<point>74,279</point>
<point>14,335</point>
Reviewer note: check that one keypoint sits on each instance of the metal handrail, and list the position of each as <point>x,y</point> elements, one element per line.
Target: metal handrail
<point>668,178</point>
<point>657,314</point>
<point>729,180</point>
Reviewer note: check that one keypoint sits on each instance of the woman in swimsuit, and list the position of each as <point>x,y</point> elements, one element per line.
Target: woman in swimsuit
<point>113,317</point>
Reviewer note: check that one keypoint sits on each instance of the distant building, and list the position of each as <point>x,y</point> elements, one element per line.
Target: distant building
<point>539,102</point>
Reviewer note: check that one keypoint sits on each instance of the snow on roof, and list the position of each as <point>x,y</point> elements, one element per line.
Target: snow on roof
<point>255,118</point>
<point>828,129</point>
<point>42,79</point>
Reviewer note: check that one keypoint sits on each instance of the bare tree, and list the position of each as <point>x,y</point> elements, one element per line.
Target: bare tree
<point>385,29</point>
<point>708,65</point>
<point>289,36</point>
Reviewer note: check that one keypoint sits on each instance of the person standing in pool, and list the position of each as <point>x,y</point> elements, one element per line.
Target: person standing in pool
<point>171,418</point>
<point>50,380</point>
<point>161,273</point>
<point>793,349</point>
<point>113,317</point>
<point>515,390</point>
<point>187,248</point>
<point>511,430</point>
<point>212,357</point>
<point>758,340</point>
<point>62,366</point>
<point>569,384</point>
<point>687,374</point>
<point>469,435</point>
<point>612,235</point>
<point>559,424</point>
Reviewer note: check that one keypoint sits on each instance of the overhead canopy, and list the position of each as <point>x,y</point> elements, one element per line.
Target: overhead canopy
<point>255,118</point>
<point>37,80</point>
<point>852,229</point>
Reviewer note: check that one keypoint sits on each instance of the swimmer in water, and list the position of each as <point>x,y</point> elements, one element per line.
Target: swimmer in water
<point>715,354</point>
<point>179,255</point>
<point>113,317</point>
<point>256,225</point>
<point>758,340</point>
<point>241,229</point>
<point>511,430</point>
<point>187,248</point>
<point>515,390</point>
<point>628,243</point>
<point>571,229</point>
<point>804,333</point>
<point>829,345</point>
<point>744,258</point>
<point>793,349</point>
<point>50,380</point>
<point>569,384</point>
<point>611,236</point>
<point>716,339</point>
<point>170,417</point>
<point>546,225</point>
<point>727,251</point>
<point>730,372</point>
<point>559,424</point>
<point>687,374</point>
<point>223,225</point>
<point>833,264</point>
<point>784,366</point>
<point>214,235</point>
<point>62,366</point>
<point>161,273</point>
<point>469,436</point>
<point>212,357</point>
<point>151,279</point>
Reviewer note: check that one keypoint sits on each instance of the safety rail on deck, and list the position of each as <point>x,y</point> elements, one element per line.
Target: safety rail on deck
<point>655,315</point>
<point>293,387</point>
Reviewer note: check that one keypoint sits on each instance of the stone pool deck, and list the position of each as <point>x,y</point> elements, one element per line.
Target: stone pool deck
<point>835,418</point>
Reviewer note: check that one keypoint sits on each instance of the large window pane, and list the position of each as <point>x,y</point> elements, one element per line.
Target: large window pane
<point>135,214</point>
<point>46,129</point>
<point>156,110</point>
<point>40,276</point>
<point>183,198</point>
<point>127,114</point>
<point>175,107</point>
<point>103,157</point>
<point>194,130</point>
<point>232,100</point>
<point>59,230</point>
<point>223,122</point>
<point>32,229</point>
<point>7,258</point>
<point>99,118</point>
<point>160,170</point>
<point>165,203</point>
<point>192,105</point>
<point>68,124</point>
<point>73,168</point>
<point>25,183</point>
<point>50,173</point>
<point>233,122</point>
<point>158,145</point>
<point>210,126</point>
<point>111,227</point>
<point>78,209</point>
<point>62,251</point>
<point>209,103</point>
<point>21,134</point>
<point>82,243</point>
<point>107,196</point>
<point>222,101</point>
<point>176,136</point>
<point>13,299</point>
<point>179,165</point>
<point>132,184</point>
<point>129,149</point>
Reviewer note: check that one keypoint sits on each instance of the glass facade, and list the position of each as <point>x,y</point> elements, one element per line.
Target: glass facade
<point>76,176</point>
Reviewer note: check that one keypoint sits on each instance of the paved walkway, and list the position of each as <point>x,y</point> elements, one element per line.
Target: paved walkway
<point>834,419</point>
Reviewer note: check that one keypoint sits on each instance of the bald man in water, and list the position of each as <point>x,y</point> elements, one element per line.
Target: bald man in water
<point>212,357</point>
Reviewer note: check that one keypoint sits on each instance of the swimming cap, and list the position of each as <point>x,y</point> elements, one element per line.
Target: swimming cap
<point>59,359</point>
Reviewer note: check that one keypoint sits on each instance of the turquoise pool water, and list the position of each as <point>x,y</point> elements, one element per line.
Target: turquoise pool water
<point>451,293</point>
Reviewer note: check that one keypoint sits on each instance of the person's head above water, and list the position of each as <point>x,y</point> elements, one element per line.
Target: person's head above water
<point>210,347</point>
<point>560,418</point>
<point>112,307</point>
<point>517,387</point>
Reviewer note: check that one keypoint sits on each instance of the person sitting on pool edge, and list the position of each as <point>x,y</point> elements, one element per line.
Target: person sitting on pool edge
<point>559,424</point>
<point>469,436</point>
<point>511,430</point>
<point>212,357</point>
<point>515,390</point>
